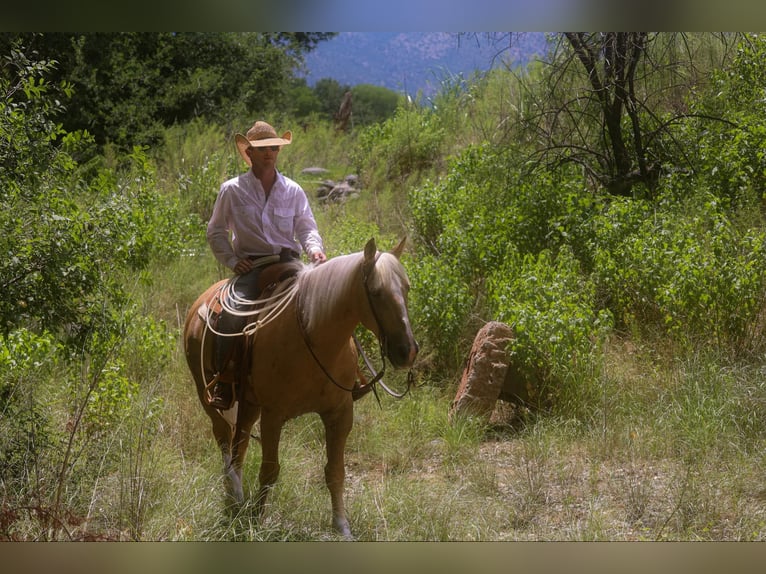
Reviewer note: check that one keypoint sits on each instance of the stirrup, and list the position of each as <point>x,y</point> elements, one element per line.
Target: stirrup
<point>216,400</point>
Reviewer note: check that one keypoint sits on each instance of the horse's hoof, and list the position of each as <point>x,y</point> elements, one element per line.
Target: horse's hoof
<point>342,528</point>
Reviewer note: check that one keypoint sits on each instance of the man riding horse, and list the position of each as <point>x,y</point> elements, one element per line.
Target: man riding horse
<point>259,217</point>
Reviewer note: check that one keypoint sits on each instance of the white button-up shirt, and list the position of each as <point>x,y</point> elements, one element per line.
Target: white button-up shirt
<point>261,226</point>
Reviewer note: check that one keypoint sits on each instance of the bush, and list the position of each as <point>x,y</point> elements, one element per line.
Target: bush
<point>558,329</point>
<point>683,268</point>
<point>25,431</point>
<point>440,304</point>
<point>481,218</point>
<point>410,141</point>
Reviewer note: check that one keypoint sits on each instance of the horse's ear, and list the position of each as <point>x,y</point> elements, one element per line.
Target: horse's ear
<point>370,251</point>
<point>399,249</point>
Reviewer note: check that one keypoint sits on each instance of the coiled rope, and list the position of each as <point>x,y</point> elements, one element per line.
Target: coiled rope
<point>269,308</point>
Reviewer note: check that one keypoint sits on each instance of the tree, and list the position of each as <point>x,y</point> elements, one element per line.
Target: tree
<point>302,101</point>
<point>129,86</point>
<point>610,61</point>
<point>66,234</point>
<point>330,94</point>
<point>374,103</point>
<point>618,124</point>
<point>607,101</point>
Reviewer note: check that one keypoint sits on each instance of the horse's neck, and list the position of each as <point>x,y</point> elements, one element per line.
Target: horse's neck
<point>329,296</point>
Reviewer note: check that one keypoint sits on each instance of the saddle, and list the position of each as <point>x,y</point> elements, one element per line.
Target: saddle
<point>221,392</point>
<point>268,281</point>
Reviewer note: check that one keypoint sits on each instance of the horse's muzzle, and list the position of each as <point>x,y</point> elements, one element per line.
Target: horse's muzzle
<point>403,353</point>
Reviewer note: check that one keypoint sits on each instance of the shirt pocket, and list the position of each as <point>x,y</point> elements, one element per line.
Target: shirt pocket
<point>283,219</point>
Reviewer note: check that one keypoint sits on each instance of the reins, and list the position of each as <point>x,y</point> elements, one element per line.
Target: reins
<point>377,376</point>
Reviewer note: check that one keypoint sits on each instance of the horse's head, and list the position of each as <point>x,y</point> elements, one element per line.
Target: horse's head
<point>386,285</point>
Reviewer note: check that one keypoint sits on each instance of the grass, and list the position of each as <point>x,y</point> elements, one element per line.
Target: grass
<point>672,450</point>
<point>413,475</point>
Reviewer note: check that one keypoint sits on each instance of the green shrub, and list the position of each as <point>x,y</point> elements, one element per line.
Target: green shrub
<point>25,427</point>
<point>729,154</point>
<point>683,269</point>
<point>478,221</point>
<point>410,141</point>
<point>440,303</point>
<point>558,329</point>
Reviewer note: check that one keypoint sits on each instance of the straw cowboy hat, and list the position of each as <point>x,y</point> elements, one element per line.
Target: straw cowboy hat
<point>260,135</point>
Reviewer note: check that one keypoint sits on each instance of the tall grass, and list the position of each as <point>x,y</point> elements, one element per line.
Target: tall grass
<point>677,455</point>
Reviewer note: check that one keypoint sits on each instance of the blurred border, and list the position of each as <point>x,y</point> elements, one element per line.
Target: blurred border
<point>387,16</point>
<point>385,558</point>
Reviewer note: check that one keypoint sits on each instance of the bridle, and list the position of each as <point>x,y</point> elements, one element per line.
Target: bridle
<point>382,341</point>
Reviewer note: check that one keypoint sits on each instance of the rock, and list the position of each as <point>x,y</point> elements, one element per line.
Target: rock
<point>314,171</point>
<point>324,188</point>
<point>352,179</point>
<point>331,191</point>
<point>489,374</point>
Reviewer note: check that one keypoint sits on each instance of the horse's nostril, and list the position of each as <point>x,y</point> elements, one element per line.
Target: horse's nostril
<point>403,354</point>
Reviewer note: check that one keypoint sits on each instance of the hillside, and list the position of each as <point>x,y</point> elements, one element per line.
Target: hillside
<point>412,62</point>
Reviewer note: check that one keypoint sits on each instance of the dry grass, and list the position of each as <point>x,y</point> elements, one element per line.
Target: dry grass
<point>413,476</point>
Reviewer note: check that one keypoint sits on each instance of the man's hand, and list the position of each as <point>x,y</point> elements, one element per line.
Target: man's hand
<point>318,257</point>
<point>243,266</point>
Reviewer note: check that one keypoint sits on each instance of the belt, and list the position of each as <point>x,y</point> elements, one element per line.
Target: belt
<point>263,260</point>
<point>285,255</point>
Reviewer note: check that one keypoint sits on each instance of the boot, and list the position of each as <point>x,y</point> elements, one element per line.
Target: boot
<point>222,395</point>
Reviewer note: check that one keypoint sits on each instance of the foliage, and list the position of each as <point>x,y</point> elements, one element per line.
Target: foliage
<point>329,93</point>
<point>729,153</point>
<point>559,331</point>
<point>408,142</point>
<point>372,104</point>
<point>128,86</point>
<point>61,221</point>
<point>302,101</point>
<point>74,236</point>
<point>609,102</point>
<point>684,268</point>
<point>441,303</point>
<point>24,416</point>
<point>481,217</point>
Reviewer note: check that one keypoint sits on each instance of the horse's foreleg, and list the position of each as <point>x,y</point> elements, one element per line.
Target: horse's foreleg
<point>233,481</point>
<point>271,431</point>
<point>224,435</point>
<point>337,427</point>
<point>245,420</point>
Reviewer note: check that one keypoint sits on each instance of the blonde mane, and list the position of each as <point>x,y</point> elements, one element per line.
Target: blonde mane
<point>322,287</point>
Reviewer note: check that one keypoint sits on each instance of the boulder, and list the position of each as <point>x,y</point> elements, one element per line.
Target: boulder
<point>489,374</point>
<point>338,192</point>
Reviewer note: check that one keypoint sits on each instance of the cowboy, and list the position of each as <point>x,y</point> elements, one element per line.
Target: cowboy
<point>257,215</point>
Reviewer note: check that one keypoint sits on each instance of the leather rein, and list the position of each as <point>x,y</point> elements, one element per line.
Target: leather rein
<point>377,376</point>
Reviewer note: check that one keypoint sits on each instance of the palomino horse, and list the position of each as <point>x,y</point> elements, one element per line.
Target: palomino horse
<point>302,361</point>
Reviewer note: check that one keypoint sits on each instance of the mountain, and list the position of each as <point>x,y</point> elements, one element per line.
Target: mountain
<point>413,62</point>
